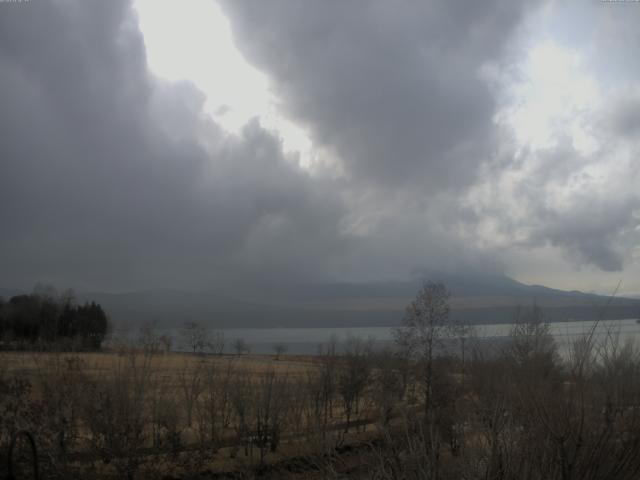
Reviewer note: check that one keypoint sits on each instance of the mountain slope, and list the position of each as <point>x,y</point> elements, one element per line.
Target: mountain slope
<point>476,298</point>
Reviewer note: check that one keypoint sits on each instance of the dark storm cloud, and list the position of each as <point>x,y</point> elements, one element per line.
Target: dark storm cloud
<point>112,179</point>
<point>393,88</point>
<point>590,232</point>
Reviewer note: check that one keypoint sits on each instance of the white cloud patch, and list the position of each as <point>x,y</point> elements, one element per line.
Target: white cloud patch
<point>569,177</point>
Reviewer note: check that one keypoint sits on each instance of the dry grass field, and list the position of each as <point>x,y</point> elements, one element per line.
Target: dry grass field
<point>135,414</point>
<point>517,412</point>
<point>170,364</point>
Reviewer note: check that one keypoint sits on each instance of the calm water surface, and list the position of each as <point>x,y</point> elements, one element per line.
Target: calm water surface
<point>307,340</point>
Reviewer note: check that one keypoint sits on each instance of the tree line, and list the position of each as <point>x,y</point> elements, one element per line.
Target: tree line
<point>45,317</point>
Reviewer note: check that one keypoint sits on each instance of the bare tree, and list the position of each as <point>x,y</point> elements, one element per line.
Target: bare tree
<point>195,336</point>
<point>190,381</point>
<point>217,342</point>
<point>425,327</point>
<point>240,346</point>
<point>531,340</point>
<point>269,410</point>
<point>115,412</point>
<point>354,375</point>
<point>280,348</point>
<point>242,404</point>
<point>387,382</point>
<point>215,409</point>
<point>148,338</point>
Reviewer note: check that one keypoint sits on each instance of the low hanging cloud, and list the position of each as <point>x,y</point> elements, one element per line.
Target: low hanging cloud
<point>402,96</point>
<point>112,178</point>
<point>115,179</point>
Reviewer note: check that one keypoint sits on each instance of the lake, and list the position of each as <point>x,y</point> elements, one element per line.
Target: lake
<point>307,340</point>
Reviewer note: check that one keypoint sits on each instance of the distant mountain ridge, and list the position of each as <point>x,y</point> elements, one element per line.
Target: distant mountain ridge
<point>476,298</point>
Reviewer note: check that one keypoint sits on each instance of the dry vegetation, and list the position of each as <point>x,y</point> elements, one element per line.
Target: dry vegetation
<point>141,414</point>
<point>514,412</point>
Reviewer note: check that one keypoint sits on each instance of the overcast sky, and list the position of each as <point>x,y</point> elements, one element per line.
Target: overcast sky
<point>191,144</point>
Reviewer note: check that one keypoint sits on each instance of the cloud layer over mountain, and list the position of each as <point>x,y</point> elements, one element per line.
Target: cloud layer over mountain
<point>113,178</point>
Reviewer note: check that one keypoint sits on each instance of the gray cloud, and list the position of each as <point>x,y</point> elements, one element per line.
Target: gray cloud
<point>114,179</point>
<point>585,205</point>
<point>625,116</point>
<point>394,89</point>
<point>395,92</point>
<point>591,232</point>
